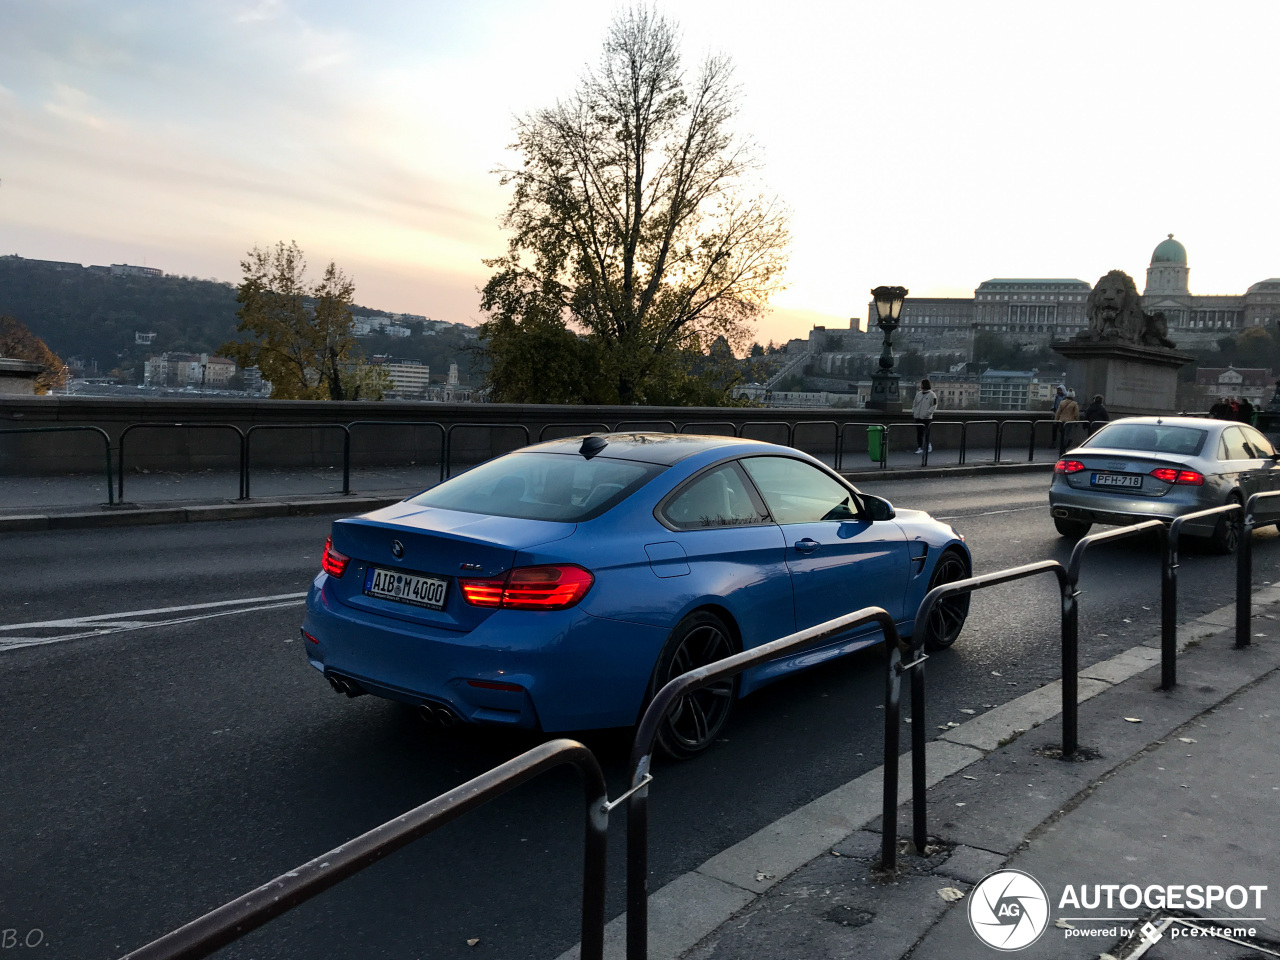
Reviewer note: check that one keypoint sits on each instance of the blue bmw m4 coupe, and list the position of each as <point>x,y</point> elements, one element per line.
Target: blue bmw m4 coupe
<point>560,586</point>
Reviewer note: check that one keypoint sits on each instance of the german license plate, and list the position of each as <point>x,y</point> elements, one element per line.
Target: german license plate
<point>1116,480</point>
<point>404,587</point>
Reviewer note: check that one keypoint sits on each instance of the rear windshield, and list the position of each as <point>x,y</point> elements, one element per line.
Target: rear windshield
<point>1155,437</point>
<point>541,486</point>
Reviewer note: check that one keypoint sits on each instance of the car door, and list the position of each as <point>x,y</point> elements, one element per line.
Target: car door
<point>1268,469</point>
<point>839,560</point>
<point>1243,462</point>
<point>723,544</point>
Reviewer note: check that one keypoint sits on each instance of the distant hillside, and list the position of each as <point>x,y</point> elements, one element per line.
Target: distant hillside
<point>88,312</point>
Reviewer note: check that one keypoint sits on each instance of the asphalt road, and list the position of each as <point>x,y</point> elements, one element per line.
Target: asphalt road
<point>150,773</point>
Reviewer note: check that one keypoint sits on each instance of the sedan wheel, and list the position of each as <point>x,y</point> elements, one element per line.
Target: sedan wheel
<point>1071,529</point>
<point>1226,533</point>
<point>947,617</point>
<point>694,721</point>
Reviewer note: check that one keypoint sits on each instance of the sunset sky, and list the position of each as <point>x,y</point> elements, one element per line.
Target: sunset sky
<point>931,144</point>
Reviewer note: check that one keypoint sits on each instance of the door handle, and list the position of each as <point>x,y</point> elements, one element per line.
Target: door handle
<point>807,546</point>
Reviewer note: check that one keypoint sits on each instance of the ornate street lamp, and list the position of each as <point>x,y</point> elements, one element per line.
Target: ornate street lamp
<point>884,382</point>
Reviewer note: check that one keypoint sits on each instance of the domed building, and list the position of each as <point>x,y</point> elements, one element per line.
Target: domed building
<point>1200,321</point>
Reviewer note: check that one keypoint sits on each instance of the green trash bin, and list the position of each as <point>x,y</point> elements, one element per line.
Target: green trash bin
<point>875,442</point>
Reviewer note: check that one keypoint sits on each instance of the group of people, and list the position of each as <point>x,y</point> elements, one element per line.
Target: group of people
<point>1065,408</point>
<point>1232,408</point>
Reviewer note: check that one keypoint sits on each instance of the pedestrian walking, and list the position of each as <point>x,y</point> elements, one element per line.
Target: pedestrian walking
<point>1058,396</point>
<point>1068,410</point>
<point>1221,409</point>
<point>922,409</point>
<point>1245,411</point>
<point>1096,413</point>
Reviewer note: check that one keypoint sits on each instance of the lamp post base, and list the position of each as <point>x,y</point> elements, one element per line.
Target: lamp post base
<point>884,393</point>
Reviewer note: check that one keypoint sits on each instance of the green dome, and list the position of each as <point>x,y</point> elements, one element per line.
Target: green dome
<point>1170,251</point>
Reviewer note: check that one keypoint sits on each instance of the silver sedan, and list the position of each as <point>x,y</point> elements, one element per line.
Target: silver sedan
<point>1142,468</point>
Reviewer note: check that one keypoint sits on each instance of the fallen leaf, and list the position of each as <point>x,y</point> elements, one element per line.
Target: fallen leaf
<point>1063,925</point>
<point>969,712</point>
<point>1188,740</point>
<point>1133,719</point>
<point>473,941</point>
<point>951,894</point>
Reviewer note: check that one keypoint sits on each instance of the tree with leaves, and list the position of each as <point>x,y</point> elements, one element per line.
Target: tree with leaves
<point>636,223</point>
<point>19,343</point>
<point>302,339</point>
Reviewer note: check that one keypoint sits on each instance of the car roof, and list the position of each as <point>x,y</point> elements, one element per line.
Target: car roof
<point>1200,423</point>
<point>661,448</point>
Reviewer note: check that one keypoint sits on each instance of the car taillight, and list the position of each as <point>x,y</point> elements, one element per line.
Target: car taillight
<point>551,587</point>
<point>1068,466</point>
<point>333,562</point>
<point>1169,475</point>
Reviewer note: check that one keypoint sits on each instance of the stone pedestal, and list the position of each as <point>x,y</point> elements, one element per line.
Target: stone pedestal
<point>1133,379</point>
<point>885,395</point>
<point>18,377</point>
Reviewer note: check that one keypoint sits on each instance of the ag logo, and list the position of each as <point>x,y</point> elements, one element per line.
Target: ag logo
<point>1008,910</point>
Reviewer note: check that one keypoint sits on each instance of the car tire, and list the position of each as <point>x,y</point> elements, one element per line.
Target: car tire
<point>1226,533</point>
<point>947,618</point>
<point>694,721</point>
<point>1071,529</point>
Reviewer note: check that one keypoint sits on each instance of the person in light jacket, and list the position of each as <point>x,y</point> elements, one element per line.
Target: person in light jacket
<point>1068,409</point>
<point>922,408</point>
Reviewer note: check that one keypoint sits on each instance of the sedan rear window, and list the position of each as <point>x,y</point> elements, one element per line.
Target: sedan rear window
<point>1152,437</point>
<point>541,486</point>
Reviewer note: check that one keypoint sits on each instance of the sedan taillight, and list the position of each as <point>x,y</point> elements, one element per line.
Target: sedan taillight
<point>550,587</point>
<point>1188,477</point>
<point>1068,466</point>
<point>333,562</point>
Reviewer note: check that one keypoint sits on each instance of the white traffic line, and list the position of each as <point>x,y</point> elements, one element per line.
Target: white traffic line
<point>992,513</point>
<point>134,614</point>
<point>106,624</point>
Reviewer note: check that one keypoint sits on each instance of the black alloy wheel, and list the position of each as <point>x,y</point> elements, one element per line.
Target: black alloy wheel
<point>695,720</point>
<point>1226,533</point>
<point>947,617</point>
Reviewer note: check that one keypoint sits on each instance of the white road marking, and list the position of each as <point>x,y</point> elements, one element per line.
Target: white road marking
<point>134,614</point>
<point>992,513</point>
<point>106,624</point>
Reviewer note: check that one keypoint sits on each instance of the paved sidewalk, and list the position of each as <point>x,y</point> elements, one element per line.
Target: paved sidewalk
<point>1178,788</point>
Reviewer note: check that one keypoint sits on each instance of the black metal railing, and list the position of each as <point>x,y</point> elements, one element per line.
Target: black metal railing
<point>259,427</point>
<point>572,429</point>
<point>233,920</point>
<point>647,732</point>
<point>106,445</point>
<point>447,470</point>
<point>240,448</point>
<point>374,424</point>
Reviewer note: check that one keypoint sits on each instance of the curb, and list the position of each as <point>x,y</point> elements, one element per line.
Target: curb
<point>928,473</point>
<point>148,516</point>
<point>695,904</point>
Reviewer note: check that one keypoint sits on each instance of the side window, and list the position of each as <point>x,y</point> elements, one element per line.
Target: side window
<point>797,492</point>
<point>719,498</point>
<point>1258,442</point>
<point>1233,447</point>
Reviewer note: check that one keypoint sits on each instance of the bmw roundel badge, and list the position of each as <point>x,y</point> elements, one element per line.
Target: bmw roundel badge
<point>397,549</point>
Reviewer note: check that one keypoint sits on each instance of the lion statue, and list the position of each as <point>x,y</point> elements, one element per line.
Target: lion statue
<point>1115,312</point>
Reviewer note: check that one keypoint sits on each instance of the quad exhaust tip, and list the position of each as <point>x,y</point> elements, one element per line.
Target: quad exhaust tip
<point>433,714</point>
<point>343,685</point>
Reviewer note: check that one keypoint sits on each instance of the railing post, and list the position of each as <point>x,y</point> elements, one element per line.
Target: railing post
<point>1031,444</point>
<point>346,460</point>
<point>1070,664</point>
<point>638,866</point>
<point>594,875</point>
<point>918,784</point>
<point>244,467</point>
<point>1244,577</point>
<point>1169,610</point>
<point>892,728</point>
<point>964,439</point>
<point>999,440</point>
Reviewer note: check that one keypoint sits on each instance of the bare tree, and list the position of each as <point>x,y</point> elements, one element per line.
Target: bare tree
<point>636,212</point>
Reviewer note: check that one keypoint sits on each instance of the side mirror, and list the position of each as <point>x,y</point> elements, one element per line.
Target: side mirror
<point>877,508</point>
